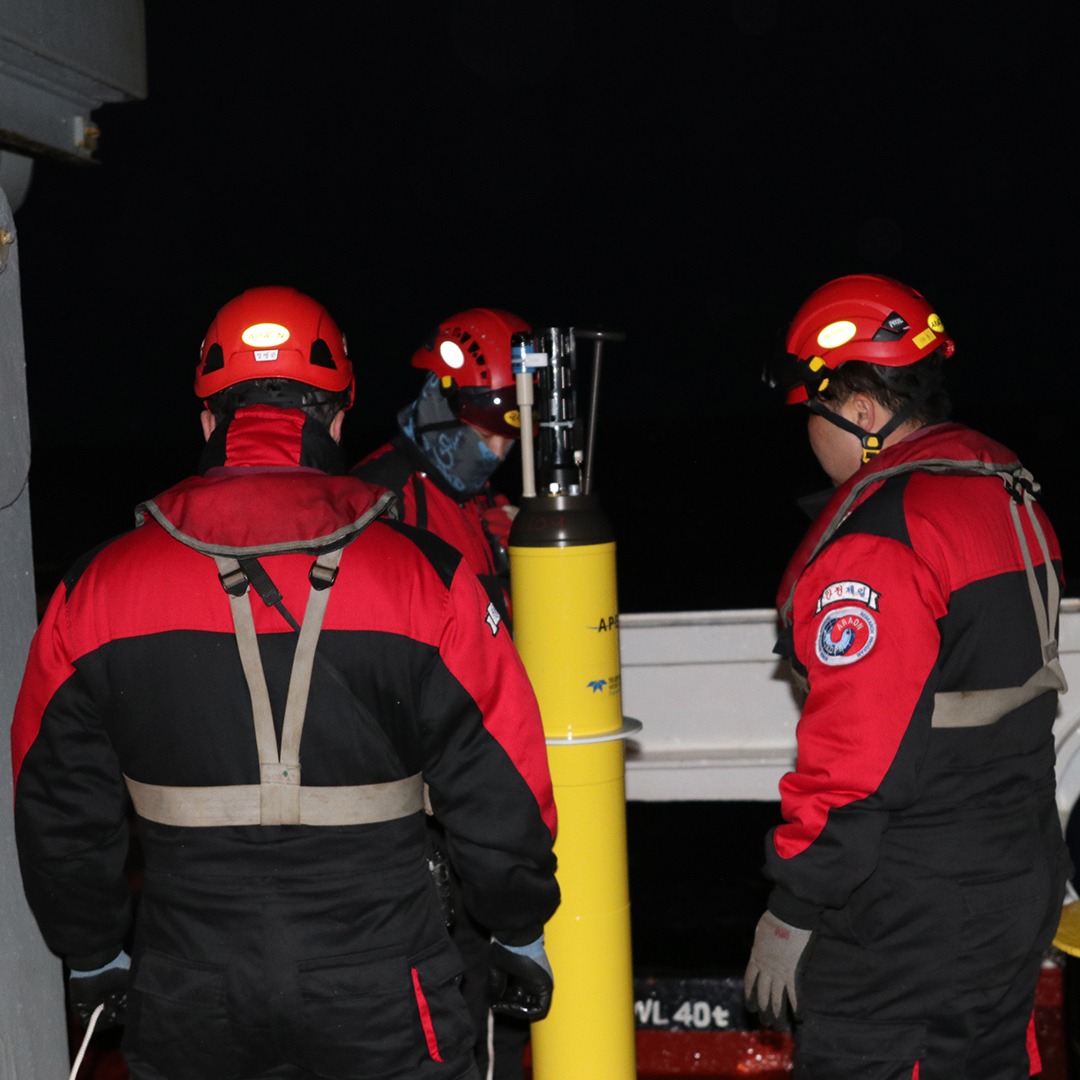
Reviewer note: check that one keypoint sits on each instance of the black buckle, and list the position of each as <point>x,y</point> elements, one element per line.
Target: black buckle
<point>322,577</point>
<point>235,582</point>
<point>1020,487</point>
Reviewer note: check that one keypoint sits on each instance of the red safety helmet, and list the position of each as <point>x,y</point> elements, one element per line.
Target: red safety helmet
<point>274,332</point>
<point>862,317</point>
<point>470,353</point>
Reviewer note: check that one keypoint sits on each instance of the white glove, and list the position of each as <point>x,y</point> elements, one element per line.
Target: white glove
<point>769,983</point>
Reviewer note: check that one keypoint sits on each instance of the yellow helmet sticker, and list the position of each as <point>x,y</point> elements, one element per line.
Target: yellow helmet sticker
<point>265,335</point>
<point>924,338</point>
<point>836,334</point>
<point>935,324</point>
<point>816,363</point>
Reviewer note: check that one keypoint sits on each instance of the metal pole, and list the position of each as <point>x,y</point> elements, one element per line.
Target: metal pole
<point>599,337</point>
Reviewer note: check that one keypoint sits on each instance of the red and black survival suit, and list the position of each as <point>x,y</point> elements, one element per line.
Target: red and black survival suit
<point>314,949</point>
<point>921,842</point>
<point>425,500</point>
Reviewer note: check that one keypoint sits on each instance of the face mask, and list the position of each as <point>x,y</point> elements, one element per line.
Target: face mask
<point>455,450</point>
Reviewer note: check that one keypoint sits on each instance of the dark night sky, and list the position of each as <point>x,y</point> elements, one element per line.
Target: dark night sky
<point>683,172</point>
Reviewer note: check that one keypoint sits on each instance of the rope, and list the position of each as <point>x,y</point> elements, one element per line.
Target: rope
<point>86,1041</point>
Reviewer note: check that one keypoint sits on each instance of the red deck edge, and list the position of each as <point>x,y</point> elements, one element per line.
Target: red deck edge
<point>732,1055</point>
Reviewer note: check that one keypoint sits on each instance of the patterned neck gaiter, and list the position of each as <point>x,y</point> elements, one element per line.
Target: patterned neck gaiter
<point>456,450</point>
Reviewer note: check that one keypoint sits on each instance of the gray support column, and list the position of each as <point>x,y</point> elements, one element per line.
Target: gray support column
<point>33,1032</point>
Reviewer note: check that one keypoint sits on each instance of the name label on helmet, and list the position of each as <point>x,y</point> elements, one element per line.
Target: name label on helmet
<point>265,335</point>
<point>261,355</point>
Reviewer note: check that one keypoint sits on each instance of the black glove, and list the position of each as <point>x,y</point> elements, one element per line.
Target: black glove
<point>520,980</point>
<point>103,986</point>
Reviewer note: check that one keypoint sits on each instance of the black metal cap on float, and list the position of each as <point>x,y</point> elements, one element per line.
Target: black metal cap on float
<point>560,521</point>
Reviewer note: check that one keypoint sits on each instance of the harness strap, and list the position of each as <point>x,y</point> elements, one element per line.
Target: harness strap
<point>243,804</point>
<point>322,576</point>
<point>944,466</point>
<point>279,771</point>
<point>278,798</point>
<point>247,643</point>
<point>979,708</point>
<point>1044,617</point>
<point>255,573</point>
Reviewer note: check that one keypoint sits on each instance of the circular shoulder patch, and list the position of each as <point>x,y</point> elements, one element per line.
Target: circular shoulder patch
<point>845,635</point>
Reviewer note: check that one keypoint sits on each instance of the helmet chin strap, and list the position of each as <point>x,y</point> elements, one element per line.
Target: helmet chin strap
<point>872,442</point>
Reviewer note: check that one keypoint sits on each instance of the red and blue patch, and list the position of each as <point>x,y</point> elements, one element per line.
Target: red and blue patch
<point>845,635</point>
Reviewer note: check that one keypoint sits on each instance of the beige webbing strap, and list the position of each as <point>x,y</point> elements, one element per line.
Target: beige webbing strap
<point>278,798</point>
<point>248,644</point>
<point>304,657</point>
<point>1044,617</point>
<point>242,804</point>
<point>279,771</point>
<point>979,708</point>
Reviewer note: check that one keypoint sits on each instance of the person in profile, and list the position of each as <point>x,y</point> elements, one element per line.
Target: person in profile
<point>919,870</point>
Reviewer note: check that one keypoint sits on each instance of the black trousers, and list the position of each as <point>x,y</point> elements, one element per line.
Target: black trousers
<point>335,977</point>
<point>932,965</point>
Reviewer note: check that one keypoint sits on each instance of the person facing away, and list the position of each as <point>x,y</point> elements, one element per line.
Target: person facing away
<point>451,439</point>
<point>919,869</point>
<point>278,677</point>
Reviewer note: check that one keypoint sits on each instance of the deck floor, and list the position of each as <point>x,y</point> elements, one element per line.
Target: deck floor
<point>733,1055</point>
